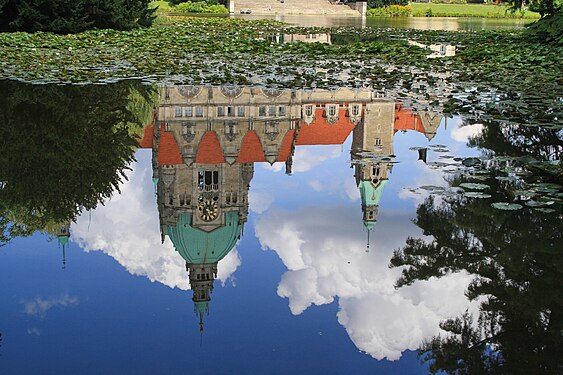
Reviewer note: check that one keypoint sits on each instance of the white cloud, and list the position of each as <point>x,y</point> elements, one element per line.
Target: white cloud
<point>126,228</point>
<point>308,157</point>
<point>463,133</point>
<point>259,201</point>
<point>324,249</point>
<point>40,306</point>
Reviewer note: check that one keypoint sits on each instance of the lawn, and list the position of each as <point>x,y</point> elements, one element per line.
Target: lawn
<point>467,10</point>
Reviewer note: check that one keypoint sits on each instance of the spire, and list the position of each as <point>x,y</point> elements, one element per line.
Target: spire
<point>367,248</point>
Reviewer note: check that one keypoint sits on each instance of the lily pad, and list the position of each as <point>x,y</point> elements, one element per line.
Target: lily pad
<point>474,186</point>
<point>506,206</point>
<point>476,194</point>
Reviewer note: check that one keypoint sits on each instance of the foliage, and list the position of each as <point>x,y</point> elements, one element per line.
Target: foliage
<point>469,10</point>
<point>516,262</point>
<point>201,7</point>
<point>390,11</point>
<point>65,149</point>
<point>547,30</point>
<point>373,4</point>
<point>72,16</point>
<point>544,7</point>
<point>449,1</point>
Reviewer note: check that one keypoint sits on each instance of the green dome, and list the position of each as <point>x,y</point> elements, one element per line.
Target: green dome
<point>63,240</point>
<point>197,246</point>
<point>371,194</point>
<point>369,224</point>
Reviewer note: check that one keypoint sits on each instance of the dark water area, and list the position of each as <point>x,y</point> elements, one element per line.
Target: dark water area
<point>152,229</point>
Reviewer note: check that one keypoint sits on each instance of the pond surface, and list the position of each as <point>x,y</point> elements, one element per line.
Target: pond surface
<point>419,23</point>
<point>243,230</point>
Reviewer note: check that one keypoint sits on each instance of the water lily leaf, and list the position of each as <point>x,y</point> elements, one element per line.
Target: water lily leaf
<point>474,186</point>
<point>506,206</point>
<point>470,162</point>
<point>476,194</point>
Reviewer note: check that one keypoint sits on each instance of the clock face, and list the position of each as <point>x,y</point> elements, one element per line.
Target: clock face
<point>208,210</point>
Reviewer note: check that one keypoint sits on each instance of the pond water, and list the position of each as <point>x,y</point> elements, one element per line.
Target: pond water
<point>243,230</point>
<point>420,23</point>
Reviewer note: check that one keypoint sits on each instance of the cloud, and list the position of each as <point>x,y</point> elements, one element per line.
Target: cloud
<point>308,157</point>
<point>126,228</point>
<point>39,306</point>
<point>324,250</point>
<point>259,201</point>
<point>463,133</point>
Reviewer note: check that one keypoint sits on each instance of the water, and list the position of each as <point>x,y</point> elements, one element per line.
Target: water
<point>295,212</point>
<point>419,23</point>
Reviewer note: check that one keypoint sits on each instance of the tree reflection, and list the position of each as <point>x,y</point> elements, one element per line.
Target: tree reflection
<point>516,259</point>
<point>65,148</point>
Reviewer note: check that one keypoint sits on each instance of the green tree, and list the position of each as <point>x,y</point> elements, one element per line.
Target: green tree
<point>516,261</point>
<point>65,149</point>
<point>72,16</point>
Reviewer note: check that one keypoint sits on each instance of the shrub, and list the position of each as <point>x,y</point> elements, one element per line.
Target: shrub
<point>391,11</point>
<point>373,4</point>
<point>201,7</point>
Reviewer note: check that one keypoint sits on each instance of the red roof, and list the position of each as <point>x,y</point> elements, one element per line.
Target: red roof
<point>251,149</point>
<point>209,150</point>
<point>406,120</point>
<point>168,151</point>
<point>321,132</point>
<point>285,149</point>
<point>146,141</point>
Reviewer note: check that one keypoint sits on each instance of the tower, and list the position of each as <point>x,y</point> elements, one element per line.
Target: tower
<point>372,156</point>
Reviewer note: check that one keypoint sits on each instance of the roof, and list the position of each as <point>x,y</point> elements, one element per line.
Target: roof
<point>209,150</point>
<point>251,149</point>
<point>197,246</point>
<point>405,119</point>
<point>285,149</point>
<point>168,150</point>
<point>321,132</point>
<point>146,141</point>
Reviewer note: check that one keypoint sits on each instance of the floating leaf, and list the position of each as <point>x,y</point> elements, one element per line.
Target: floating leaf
<point>476,194</point>
<point>474,186</point>
<point>506,206</point>
<point>470,162</point>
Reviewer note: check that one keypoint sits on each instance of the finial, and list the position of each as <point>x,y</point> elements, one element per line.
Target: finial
<point>367,248</point>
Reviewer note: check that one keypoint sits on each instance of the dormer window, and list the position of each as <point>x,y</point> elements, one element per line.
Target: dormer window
<point>309,110</point>
<point>355,110</point>
<point>332,110</point>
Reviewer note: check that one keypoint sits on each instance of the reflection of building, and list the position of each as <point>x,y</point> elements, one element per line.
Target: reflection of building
<point>205,142</point>
<point>305,38</point>
<point>372,156</point>
<point>62,232</point>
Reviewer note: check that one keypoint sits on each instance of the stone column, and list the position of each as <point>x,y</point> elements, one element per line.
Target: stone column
<point>231,6</point>
<point>362,7</point>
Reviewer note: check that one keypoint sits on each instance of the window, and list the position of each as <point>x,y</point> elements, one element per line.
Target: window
<point>208,180</point>
<point>262,111</point>
<point>167,126</point>
<point>178,111</point>
<point>309,110</point>
<point>281,110</point>
<point>220,111</point>
<point>230,111</point>
<point>378,141</point>
<point>240,111</point>
<point>332,110</point>
<point>199,111</point>
<point>272,110</point>
<point>355,110</point>
<point>188,111</point>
